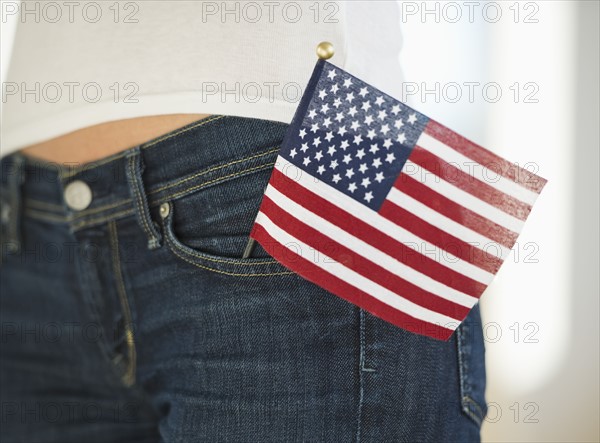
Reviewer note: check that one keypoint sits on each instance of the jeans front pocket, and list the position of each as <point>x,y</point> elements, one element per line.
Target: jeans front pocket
<point>210,228</point>
<point>471,366</point>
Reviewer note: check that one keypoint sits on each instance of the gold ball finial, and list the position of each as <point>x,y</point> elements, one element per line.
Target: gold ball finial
<point>325,50</point>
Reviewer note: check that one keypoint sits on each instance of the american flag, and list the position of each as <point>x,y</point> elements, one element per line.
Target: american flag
<point>389,209</point>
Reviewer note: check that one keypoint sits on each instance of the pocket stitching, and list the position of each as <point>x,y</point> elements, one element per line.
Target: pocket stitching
<point>175,245</point>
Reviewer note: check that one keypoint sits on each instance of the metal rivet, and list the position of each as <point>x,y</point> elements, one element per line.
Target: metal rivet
<point>78,195</point>
<point>165,208</point>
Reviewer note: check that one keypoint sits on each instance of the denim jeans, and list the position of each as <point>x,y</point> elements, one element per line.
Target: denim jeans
<point>128,313</point>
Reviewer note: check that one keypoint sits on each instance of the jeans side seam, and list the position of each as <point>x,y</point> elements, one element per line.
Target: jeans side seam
<point>467,402</point>
<point>477,417</point>
<point>129,377</point>
<point>361,361</point>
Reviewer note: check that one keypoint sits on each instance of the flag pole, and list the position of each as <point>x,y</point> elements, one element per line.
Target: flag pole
<point>324,51</point>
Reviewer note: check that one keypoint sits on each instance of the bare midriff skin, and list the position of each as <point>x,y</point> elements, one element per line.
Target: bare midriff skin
<point>99,141</point>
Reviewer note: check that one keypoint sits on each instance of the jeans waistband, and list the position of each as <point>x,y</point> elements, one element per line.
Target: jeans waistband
<point>201,154</point>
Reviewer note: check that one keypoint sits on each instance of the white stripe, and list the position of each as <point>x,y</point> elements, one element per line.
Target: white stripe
<point>367,251</point>
<point>476,170</point>
<point>381,223</point>
<point>446,224</point>
<point>461,197</point>
<point>353,278</point>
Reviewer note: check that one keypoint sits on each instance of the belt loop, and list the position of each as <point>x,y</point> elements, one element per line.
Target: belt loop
<point>12,204</point>
<point>134,169</point>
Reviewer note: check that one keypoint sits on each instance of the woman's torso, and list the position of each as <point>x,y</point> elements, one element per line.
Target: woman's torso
<point>97,81</point>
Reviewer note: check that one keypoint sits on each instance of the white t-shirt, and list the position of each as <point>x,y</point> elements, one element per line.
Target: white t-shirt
<point>83,63</point>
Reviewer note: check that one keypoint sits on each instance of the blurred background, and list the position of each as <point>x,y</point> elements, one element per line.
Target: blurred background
<point>532,70</point>
<point>522,79</point>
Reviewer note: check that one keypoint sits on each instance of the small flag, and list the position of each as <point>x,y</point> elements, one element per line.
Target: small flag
<point>387,208</point>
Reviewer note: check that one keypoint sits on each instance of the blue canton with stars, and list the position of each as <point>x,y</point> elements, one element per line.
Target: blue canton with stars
<point>351,135</point>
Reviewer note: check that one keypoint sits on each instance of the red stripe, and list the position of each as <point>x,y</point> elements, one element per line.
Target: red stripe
<point>344,290</point>
<point>486,158</point>
<point>440,238</point>
<point>456,212</point>
<point>359,264</point>
<point>374,237</point>
<point>470,184</point>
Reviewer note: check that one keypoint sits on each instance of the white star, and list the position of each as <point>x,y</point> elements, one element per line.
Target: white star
<point>334,88</point>
<point>345,144</point>
<point>385,129</point>
<point>339,116</point>
<point>379,177</point>
<point>350,97</point>
<point>365,182</point>
<point>333,164</point>
<point>331,150</point>
<point>329,136</point>
<point>347,158</point>
<point>363,91</point>
<point>327,122</point>
<point>360,153</point>
<point>362,168</point>
<point>401,138</point>
<point>399,123</point>
<point>349,172</point>
<point>302,132</point>
<point>312,113</point>
<point>318,155</point>
<point>352,187</point>
<point>337,102</point>
<point>352,111</point>
<point>379,101</point>
<point>336,178</point>
<point>376,163</point>
<point>374,148</point>
<point>314,128</point>
<point>412,118</point>
<point>325,108</point>
<point>354,126</point>
<point>342,130</point>
<point>395,109</point>
<point>390,157</point>
<point>368,196</point>
<point>331,74</point>
<point>387,143</point>
<point>321,169</point>
<point>317,141</point>
<point>371,134</point>
<point>293,153</point>
<point>382,114</point>
<point>368,119</point>
<point>304,147</point>
<point>357,139</point>
<point>347,82</point>
<point>366,105</point>
<point>306,161</point>
<point>322,93</point>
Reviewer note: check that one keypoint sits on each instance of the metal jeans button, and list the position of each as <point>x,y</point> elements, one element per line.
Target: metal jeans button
<point>78,195</point>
